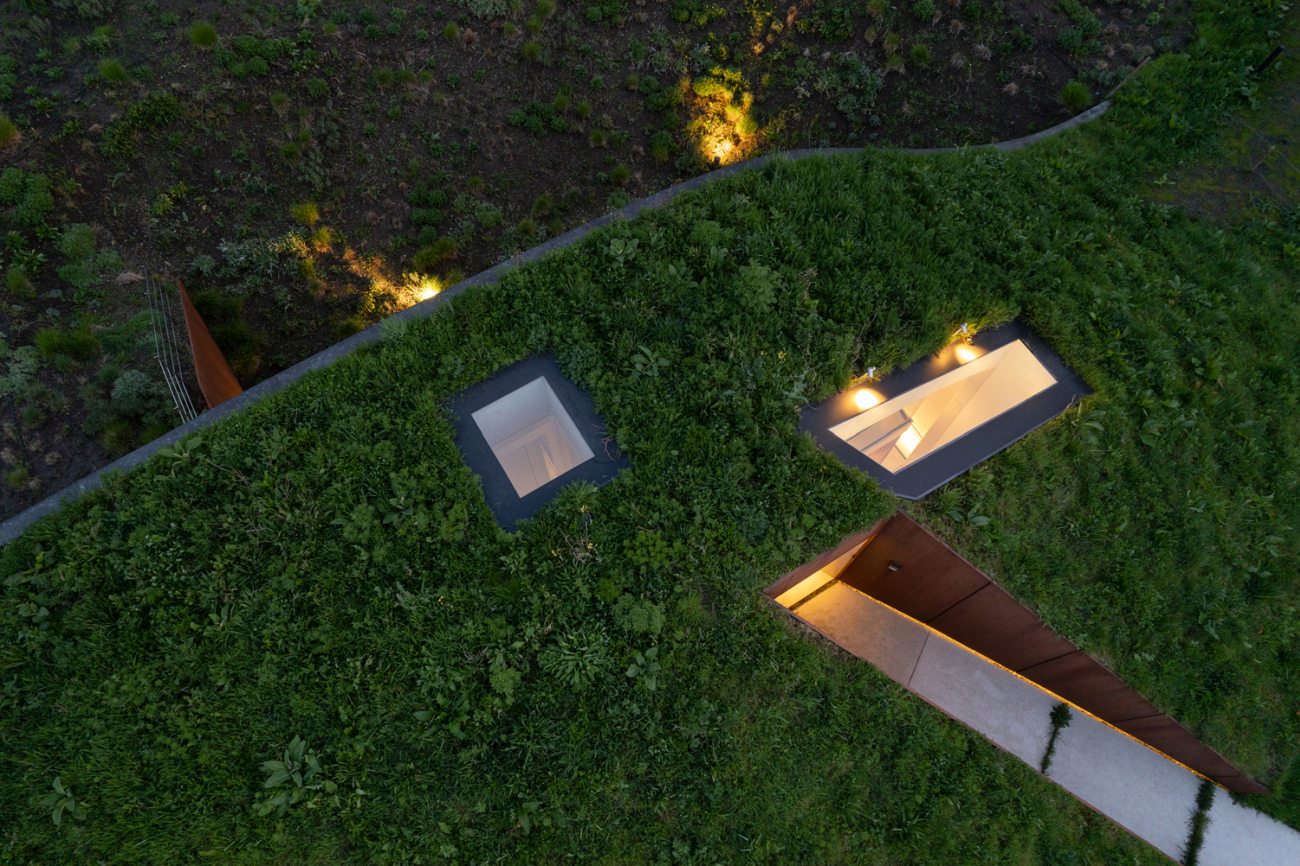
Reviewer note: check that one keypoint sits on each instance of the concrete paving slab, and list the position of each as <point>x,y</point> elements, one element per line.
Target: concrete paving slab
<point>1133,785</point>
<point>1011,712</point>
<point>1238,836</point>
<point>868,629</point>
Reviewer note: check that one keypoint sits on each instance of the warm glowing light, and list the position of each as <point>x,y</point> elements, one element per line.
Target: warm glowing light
<point>966,353</point>
<point>721,149</point>
<point>426,292</point>
<point>866,398</point>
<point>908,441</point>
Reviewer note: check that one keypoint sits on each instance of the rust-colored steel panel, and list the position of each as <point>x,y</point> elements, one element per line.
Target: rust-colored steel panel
<point>994,624</point>
<point>1082,680</point>
<point>810,568</point>
<point>1166,735</point>
<point>1240,784</point>
<point>912,571</point>
<point>216,380</point>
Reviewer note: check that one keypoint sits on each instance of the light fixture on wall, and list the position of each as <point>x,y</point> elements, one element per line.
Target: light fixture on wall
<point>866,398</point>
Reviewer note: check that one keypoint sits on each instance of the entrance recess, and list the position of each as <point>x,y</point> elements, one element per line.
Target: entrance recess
<point>901,565</point>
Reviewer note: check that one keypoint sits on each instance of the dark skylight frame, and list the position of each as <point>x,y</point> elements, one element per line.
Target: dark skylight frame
<point>507,505</point>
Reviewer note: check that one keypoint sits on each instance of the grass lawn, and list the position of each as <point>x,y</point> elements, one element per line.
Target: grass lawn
<point>322,566</point>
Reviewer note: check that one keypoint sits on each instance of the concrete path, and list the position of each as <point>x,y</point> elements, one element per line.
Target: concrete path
<point>1127,781</point>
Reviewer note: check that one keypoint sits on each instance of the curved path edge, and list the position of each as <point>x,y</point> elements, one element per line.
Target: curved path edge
<point>16,525</point>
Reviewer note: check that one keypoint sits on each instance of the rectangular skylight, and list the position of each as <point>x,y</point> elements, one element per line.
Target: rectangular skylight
<point>899,432</point>
<point>532,436</point>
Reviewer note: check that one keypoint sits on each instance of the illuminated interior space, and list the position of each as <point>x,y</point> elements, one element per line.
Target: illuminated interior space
<point>532,436</point>
<point>899,432</point>
<point>527,432</point>
<point>915,429</point>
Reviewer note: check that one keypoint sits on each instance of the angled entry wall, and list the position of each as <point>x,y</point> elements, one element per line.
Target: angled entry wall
<point>907,568</point>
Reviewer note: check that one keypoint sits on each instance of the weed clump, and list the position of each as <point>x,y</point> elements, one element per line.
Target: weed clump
<point>434,254</point>
<point>531,51</point>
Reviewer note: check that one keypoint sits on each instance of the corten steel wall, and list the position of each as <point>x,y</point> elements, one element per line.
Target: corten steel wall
<point>911,570</point>
<point>216,380</point>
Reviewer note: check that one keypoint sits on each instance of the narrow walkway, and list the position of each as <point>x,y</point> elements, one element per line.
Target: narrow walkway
<point>1127,781</point>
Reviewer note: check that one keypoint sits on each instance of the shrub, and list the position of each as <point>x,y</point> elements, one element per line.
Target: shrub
<point>317,87</point>
<point>8,131</point>
<point>203,35</point>
<point>1075,96</point>
<point>434,254</point>
<point>79,343</point>
<point>305,213</point>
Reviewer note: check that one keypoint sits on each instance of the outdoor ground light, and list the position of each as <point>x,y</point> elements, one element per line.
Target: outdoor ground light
<point>527,432</point>
<point>918,428</point>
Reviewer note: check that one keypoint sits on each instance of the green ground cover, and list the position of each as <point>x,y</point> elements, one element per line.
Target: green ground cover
<point>607,685</point>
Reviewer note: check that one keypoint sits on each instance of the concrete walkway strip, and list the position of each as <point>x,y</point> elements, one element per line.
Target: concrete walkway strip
<point>16,525</point>
<point>1238,836</point>
<point>1130,783</point>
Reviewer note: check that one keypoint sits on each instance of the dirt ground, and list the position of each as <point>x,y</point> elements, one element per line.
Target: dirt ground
<point>430,141</point>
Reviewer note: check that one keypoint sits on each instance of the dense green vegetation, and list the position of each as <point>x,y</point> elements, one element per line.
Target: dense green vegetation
<point>606,684</point>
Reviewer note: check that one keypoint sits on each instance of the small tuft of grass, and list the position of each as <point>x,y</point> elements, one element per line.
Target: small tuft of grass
<point>474,185</point>
<point>384,78</point>
<point>451,31</point>
<point>619,175</point>
<point>528,227</point>
<point>543,205</point>
<point>79,343</point>
<point>1075,96</point>
<point>582,109</point>
<point>9,133</point>
<point>349,326</point>
<point>291,151</point>
<point>533,25</point>
<point>531,51</point>
<point>280,102</point>
<point>546,8</point>
<point>920,54</point>
<point>305,213</point>
<point>113,70</point>
<point>598,138</point>
<point>203,35</point>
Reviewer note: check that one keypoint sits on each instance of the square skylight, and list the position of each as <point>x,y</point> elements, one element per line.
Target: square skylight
<point>527,431</point>
<point>532,436</point>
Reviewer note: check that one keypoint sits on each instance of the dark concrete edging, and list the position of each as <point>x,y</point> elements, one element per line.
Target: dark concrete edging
<point>16,525</point>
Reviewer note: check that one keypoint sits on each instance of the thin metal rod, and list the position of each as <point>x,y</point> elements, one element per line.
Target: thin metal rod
<point>167,350</point>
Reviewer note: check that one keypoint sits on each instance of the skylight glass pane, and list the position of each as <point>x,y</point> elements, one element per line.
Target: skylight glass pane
<point>533,438</point>
<point>914,425</point>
